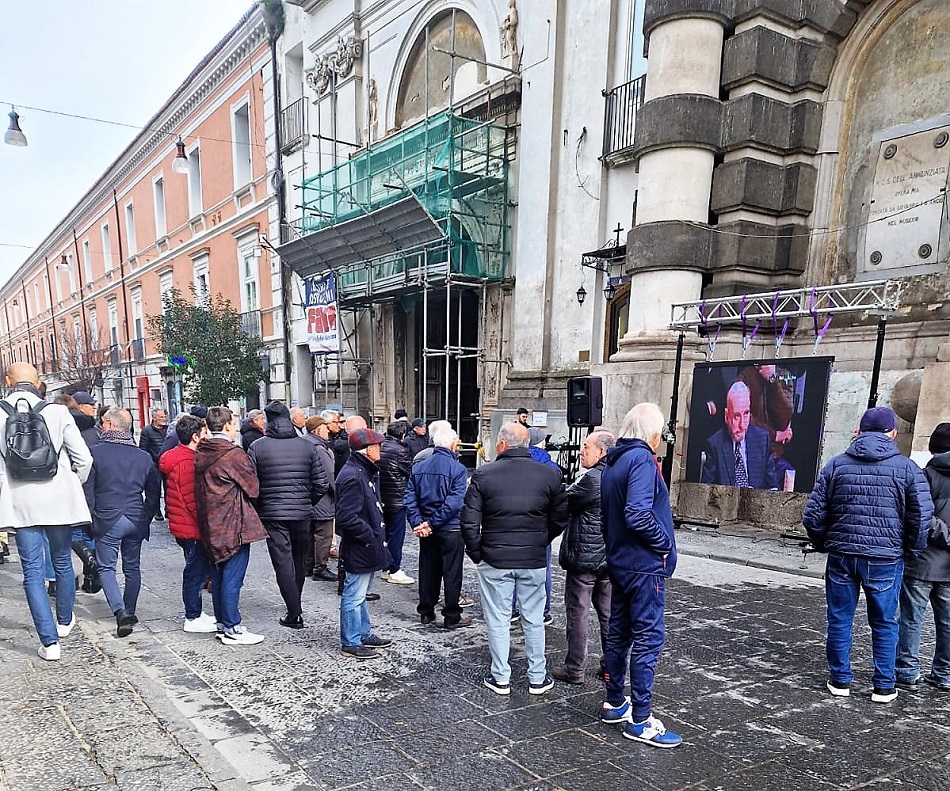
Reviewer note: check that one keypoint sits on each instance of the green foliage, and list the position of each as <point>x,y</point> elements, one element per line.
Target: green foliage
<point>224,361</point>
<point>273,18</point>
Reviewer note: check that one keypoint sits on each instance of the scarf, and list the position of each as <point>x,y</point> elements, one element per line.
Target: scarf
<point>118,437</point>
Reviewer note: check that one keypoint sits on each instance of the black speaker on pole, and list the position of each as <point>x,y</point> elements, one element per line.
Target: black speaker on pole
<point>585,401</point>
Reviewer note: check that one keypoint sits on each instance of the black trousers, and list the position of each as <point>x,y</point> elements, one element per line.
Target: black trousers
<point>440,560</point>
<point>287,544</point>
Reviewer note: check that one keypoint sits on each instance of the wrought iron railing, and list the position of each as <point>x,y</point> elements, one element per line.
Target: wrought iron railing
<point>251,323</point>
<point>115,356</point>
<point>620,115</point>
<point>138,349</point>
<point>293,125</point>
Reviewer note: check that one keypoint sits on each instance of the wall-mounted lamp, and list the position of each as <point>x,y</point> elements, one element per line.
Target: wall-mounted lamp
<point>609,290</point>
<point>581,295</point>
<point>14,135</point>
<point>180,162</point>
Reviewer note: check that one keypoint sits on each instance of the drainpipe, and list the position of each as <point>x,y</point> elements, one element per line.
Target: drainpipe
<point>125,303</point>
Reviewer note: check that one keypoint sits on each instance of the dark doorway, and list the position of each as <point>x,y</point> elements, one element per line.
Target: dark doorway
<point>447,384</point>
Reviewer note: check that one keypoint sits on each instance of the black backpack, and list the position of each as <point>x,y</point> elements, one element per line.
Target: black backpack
<point>28,449</point>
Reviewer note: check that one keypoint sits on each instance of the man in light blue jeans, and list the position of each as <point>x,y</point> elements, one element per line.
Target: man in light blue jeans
<point>513,509</point>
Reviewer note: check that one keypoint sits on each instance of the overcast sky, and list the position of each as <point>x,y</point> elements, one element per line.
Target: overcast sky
<point>113,59</point>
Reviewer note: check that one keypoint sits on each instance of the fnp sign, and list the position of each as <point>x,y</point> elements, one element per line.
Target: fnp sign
<point>323,335</point>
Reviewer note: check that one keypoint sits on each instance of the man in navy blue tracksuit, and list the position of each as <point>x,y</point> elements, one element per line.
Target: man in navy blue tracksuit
<point>641,555</point>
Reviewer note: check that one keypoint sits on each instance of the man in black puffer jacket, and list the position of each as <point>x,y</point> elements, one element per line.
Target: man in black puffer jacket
<point>584,556</point>
<point>395,464</point>
<point>292,482</point>
<point>870,510</point>
<point>927,579</point>
<point>513,509</point>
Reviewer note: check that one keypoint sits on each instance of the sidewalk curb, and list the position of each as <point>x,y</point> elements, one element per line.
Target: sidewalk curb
<point>724,558</point>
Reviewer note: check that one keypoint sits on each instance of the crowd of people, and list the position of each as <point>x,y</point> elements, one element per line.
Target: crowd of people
<point>295,481</point>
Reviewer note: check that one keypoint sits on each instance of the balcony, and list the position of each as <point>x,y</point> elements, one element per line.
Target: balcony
<point>251,323</point>
<point>138,349</point>
<point>620,119</point>
<point>293,126</point>
<point>114,356</point>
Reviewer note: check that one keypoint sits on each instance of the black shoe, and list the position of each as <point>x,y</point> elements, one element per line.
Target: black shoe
<point>376,642</point>
<point>51,587</point>
<point>372,597</point>
<point>359,652</point>
<point>91,583</point>
<point>324,575</point>
<point>940,686</point>
<point>292,622</point>
<point>427,618</point>
<point>124,622</point>
<point>910,686</point>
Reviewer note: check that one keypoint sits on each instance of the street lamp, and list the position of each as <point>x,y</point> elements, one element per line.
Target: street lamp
<point>180,162</point>
<point>609,290</point>
<point>14,135</point>
<point>581,294</point>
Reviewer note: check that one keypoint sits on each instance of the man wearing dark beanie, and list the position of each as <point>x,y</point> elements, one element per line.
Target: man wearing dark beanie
<point>927,578</point>
<point>870,510</point>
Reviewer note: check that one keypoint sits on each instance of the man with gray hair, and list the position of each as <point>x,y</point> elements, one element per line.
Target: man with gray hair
<point>433,502</point>
<point>584,556</point>
<point>252,428</point>
<point>641,555</point>
<point>123,492</point>
<point>152,439</point>
<point>514,508</point>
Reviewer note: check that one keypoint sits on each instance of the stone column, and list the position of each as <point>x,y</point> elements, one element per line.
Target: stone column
<point>678,135</point>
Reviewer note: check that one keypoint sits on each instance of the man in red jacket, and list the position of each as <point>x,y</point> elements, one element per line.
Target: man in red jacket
<point>178,467</point>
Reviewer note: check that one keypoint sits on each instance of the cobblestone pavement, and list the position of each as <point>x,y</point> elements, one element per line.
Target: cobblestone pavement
<point>742,678</point>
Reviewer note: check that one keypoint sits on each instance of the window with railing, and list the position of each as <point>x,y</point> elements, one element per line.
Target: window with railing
<point>620,116</point>
<point>293,125</point>
<point>251,323</point>
<point>138,349</point>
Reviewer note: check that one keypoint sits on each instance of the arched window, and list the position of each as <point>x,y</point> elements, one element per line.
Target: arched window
<point>427,78</point>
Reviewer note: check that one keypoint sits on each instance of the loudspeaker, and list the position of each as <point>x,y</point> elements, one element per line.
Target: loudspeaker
<point>585,401</point>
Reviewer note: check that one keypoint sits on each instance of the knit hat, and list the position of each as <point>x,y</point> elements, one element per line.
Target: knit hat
<point>879,418</point>
<point>275,409</point>
<point>199,411</point>
<point>418,422</point>
<point>313,422</point>
<point>364,437</point>
<point>940,439</point>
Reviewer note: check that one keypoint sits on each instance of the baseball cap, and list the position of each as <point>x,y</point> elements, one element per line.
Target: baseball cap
<point>418,422</point>
<point>83,398</point>
<point>879,418</point>
<point>535,435</point>
<point>314,421</point>
<point>364,437</point>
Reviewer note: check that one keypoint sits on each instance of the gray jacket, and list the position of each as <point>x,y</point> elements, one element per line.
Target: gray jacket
<point>934,564</point>
<point>326,508</point>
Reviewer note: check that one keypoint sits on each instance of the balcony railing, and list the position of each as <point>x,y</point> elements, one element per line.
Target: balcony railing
<point>114,356</point>
<point>251,323</point>
<point>620,116</point>
<point>138,349</point>
<point>293,125</point>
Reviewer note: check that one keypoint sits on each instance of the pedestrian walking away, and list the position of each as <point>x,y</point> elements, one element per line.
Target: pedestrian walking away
<point>395,463</point>
<point>927,579</point>
<point>225,484</point>
<point>641,556</point>
<point>178,467</point>
<point>583,556</point>
<point>123,492</point>
<point>513,509</point>
<point>292,480</point>
<point>43,508</point>
<point>359,520</point>
<point>434,498</point>
<point>870,510</point>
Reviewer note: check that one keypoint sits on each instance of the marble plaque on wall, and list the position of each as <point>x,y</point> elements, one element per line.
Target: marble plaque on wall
<point>906,225</point>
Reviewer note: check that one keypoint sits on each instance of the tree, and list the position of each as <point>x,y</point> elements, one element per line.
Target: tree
<point>81,368</point>
<point>218,359</point>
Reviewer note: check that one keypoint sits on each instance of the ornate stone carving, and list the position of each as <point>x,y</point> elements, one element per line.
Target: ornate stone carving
<point>373,106</point>
<point>333,65</point>
<point>509,32</point>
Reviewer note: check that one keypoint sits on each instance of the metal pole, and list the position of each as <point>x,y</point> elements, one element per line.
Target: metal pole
<point>52,311</point>
<point>425,332</point>
<point>125,302</point>
<point>878,354</point>
<point>674,406</point>
<point>448,338</point>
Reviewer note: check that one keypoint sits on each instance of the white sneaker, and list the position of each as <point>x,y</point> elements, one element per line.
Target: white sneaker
<point>398,577</point>
<point>238,635</point>
<point>203,624</point>
<point>63,630</point>
<point>49,652</point>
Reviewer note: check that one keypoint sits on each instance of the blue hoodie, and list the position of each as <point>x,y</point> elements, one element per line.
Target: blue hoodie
<point>635,514</point>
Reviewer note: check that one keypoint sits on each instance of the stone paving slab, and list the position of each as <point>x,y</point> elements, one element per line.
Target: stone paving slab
<point>742,679</point>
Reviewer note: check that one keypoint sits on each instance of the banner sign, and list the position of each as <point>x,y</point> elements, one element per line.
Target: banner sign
<point>323,335</point>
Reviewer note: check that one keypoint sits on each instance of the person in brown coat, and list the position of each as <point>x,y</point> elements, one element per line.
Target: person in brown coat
<point>225,484</point>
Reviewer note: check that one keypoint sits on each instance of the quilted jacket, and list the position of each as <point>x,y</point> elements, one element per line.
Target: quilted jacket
<point>178,467</point>
<point>870,501</point>
<point>934,564</point>
<point>582,546</point>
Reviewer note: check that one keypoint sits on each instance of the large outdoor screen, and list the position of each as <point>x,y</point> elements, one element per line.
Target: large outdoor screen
<point>758,424</point>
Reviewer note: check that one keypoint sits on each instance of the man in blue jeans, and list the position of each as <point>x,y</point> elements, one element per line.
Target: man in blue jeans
<point>124,493</point>
<point>870,509</point>
<point>45,508</point>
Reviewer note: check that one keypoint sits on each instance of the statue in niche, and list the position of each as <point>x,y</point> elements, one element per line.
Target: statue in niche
<point>509,32</point>
<point>373,106</point>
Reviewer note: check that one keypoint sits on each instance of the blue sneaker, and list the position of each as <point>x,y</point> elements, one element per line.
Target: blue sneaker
<point>615,714</point>
<point>540,687</point>
<point>651,731</point>
<point>498,687</point>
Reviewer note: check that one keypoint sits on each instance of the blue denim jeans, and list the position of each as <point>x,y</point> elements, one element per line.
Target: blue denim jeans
<point>125,538</point>
<point>845,577</point>
<point>354,614</point>
<point>395,522</point>
<point>227,578</point>
<point>30,544</point>
<point>196,573</point>
<point>914,597</point>
<point>79,535</point>
<point>496,587</point>
<point>48,571</point>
